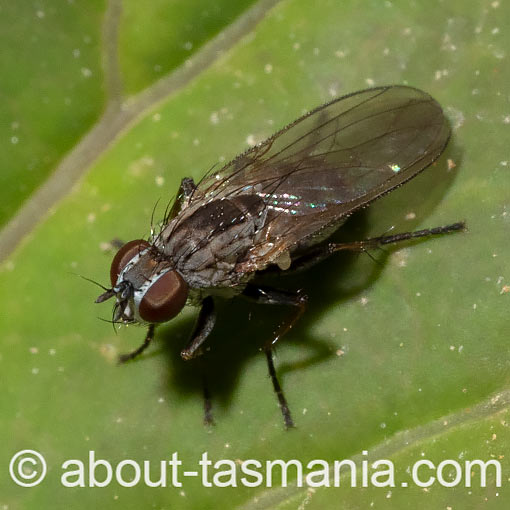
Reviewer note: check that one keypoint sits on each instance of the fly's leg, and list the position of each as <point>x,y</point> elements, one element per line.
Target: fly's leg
<point>208,417</point>
<point>203,327</point>
<point>376,242</point>
<point>268,296</point>
<point>148,339</point>
<point>322,252</point>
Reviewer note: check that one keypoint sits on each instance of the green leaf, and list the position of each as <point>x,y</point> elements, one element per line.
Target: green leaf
<point>177,30</point>
<point>51,89</point>
<point>407,358</point>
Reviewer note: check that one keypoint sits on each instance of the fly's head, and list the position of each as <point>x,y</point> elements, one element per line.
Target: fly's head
<point>145,286</point>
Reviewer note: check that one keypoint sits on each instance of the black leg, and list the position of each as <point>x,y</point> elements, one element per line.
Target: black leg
<point>265,295</point>
<point>321,252</point>
<point>148,339</point>
<point>282,401</point>
<point>203,327</point>
<point>376,242</point>
<point>208,417</point>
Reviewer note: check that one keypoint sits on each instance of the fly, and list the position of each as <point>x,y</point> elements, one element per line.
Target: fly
<point>273,207</point>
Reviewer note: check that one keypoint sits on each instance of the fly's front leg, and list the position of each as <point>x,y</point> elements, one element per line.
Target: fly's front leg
<point>203,327</point>
<point>148,339</point>
<point>268,296</point>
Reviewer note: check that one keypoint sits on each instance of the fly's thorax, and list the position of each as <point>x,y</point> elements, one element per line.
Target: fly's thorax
<point>206,242</point>
<point>147,287</point>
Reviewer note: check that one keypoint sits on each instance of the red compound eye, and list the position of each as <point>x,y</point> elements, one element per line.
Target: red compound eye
<point>164,299</point>
<point>124,255</point>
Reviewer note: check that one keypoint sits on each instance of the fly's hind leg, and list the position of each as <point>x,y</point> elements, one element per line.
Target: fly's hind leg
<point>268,296</point>
<point>376,242</point>
<point>323,251</point>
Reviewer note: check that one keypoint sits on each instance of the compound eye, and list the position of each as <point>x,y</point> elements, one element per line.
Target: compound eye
<point>164,299</point>
<point>124,255</point>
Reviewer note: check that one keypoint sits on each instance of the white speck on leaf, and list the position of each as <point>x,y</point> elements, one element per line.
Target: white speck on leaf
<point>457,117</point>
<point>136,168</point>
<point>341,53</point>
<point>440,73</point>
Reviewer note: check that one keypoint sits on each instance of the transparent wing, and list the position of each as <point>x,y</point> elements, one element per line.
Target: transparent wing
<point>330,162</point>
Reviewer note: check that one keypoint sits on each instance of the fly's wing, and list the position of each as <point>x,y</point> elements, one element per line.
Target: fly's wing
<point>330,162</point>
